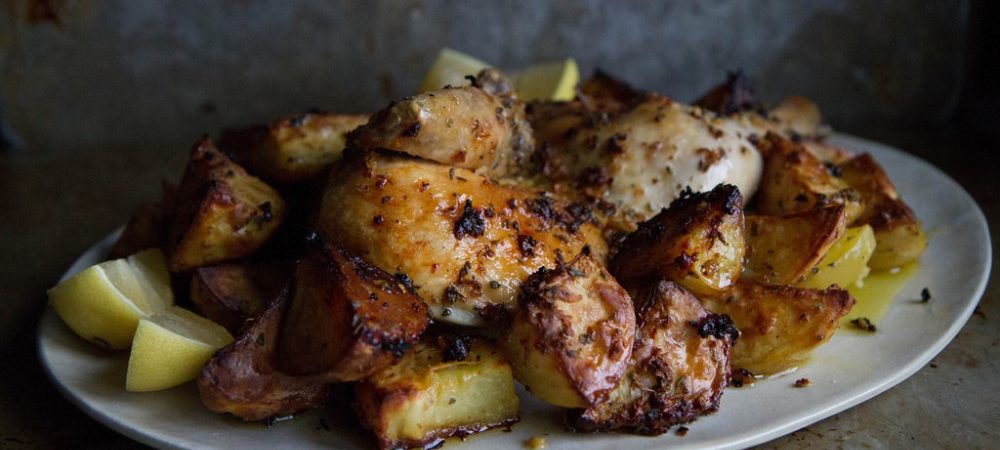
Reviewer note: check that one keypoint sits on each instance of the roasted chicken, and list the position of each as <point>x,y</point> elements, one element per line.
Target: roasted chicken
<point>464,241</point>
<point>618,254</point>
<point>479,127</point>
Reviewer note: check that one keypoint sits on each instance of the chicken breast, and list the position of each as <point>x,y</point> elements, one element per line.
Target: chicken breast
<point>645,157</point>
<point>465,242</point>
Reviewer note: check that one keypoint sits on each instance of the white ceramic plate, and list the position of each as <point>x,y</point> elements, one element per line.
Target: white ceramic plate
<point>848,370</point>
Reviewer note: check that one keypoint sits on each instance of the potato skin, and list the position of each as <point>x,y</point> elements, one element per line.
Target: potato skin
<point>781,250</point>
<point>572,334</point>
<point>292,149</point>
<point>780,325</point>
<point>795,180</point>
<point>899,236</point>
<point>435,392</point>
<point>678,369</point>
<point>231,293</point>
<point>221,212</point>
<point>697,242</point>
<point>347,318</point>
<point>466,242</point>
<point>242,378</point>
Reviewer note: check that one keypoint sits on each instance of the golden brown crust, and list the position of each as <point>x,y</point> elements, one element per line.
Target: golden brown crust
<point>781,250</point>
<point>294,148</point>
<point>347,318</point>
<point>796,181</point>
<point>572,334</point>
<point>242,379</point>
<point>466,127</point>
<point>221,212</point>
<point>432,394</point>
<point>678,369</point>
<point>466,242</point>
<point>900,237</point>
<point>698,242</point>
<point>780,325</point>
<point>229,294</point>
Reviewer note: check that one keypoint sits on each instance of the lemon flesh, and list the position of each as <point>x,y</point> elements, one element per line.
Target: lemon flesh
<point>450,68</point>
<point>846,262</point>
<point>104,303</point>
<point>170,348</point>
<point>549,81</point>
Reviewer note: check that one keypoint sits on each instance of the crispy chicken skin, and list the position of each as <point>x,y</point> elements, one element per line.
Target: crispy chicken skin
<point>572,334</point>
<point>346,318</point>
<point>698,242</point>
<point>242,379</point>
<point>780,326</point>
<point>466,242</point>
<point>479,127</point>
<point>644,157</point>
<point>678,369</point>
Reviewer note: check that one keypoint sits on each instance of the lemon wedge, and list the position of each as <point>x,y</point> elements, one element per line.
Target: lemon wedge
<point>104,303</point>
<point>170,349</point>
<point>450,68</point>
<point>846,262</point>
<point>548,81</point>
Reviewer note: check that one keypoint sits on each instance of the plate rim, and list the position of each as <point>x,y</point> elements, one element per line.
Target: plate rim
<point>744,439</point>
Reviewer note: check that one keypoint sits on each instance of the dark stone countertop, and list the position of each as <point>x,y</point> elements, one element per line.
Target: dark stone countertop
<point>56,206</point>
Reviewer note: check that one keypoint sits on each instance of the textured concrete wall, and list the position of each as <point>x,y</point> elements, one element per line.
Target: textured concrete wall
<point>139,72</point>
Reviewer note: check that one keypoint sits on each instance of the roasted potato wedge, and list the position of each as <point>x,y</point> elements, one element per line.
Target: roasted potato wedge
<point>785,249</point>
<point>471,127</point>
<point>798,116</point>
<point>292,149</point>
<point>845,262</point>
<point>899,236</point>
<point>572,334</point>
<point>697,242</point>
<point>794,180</point>
<point>231,293</point>
<point>221,212</point>
<point>779,325</point>
<point>678,369</point>
<point>347,319</point>
<point>466,242</point>
<point>433,393</point>
<point>242,379</point>
<point>826,152</point>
